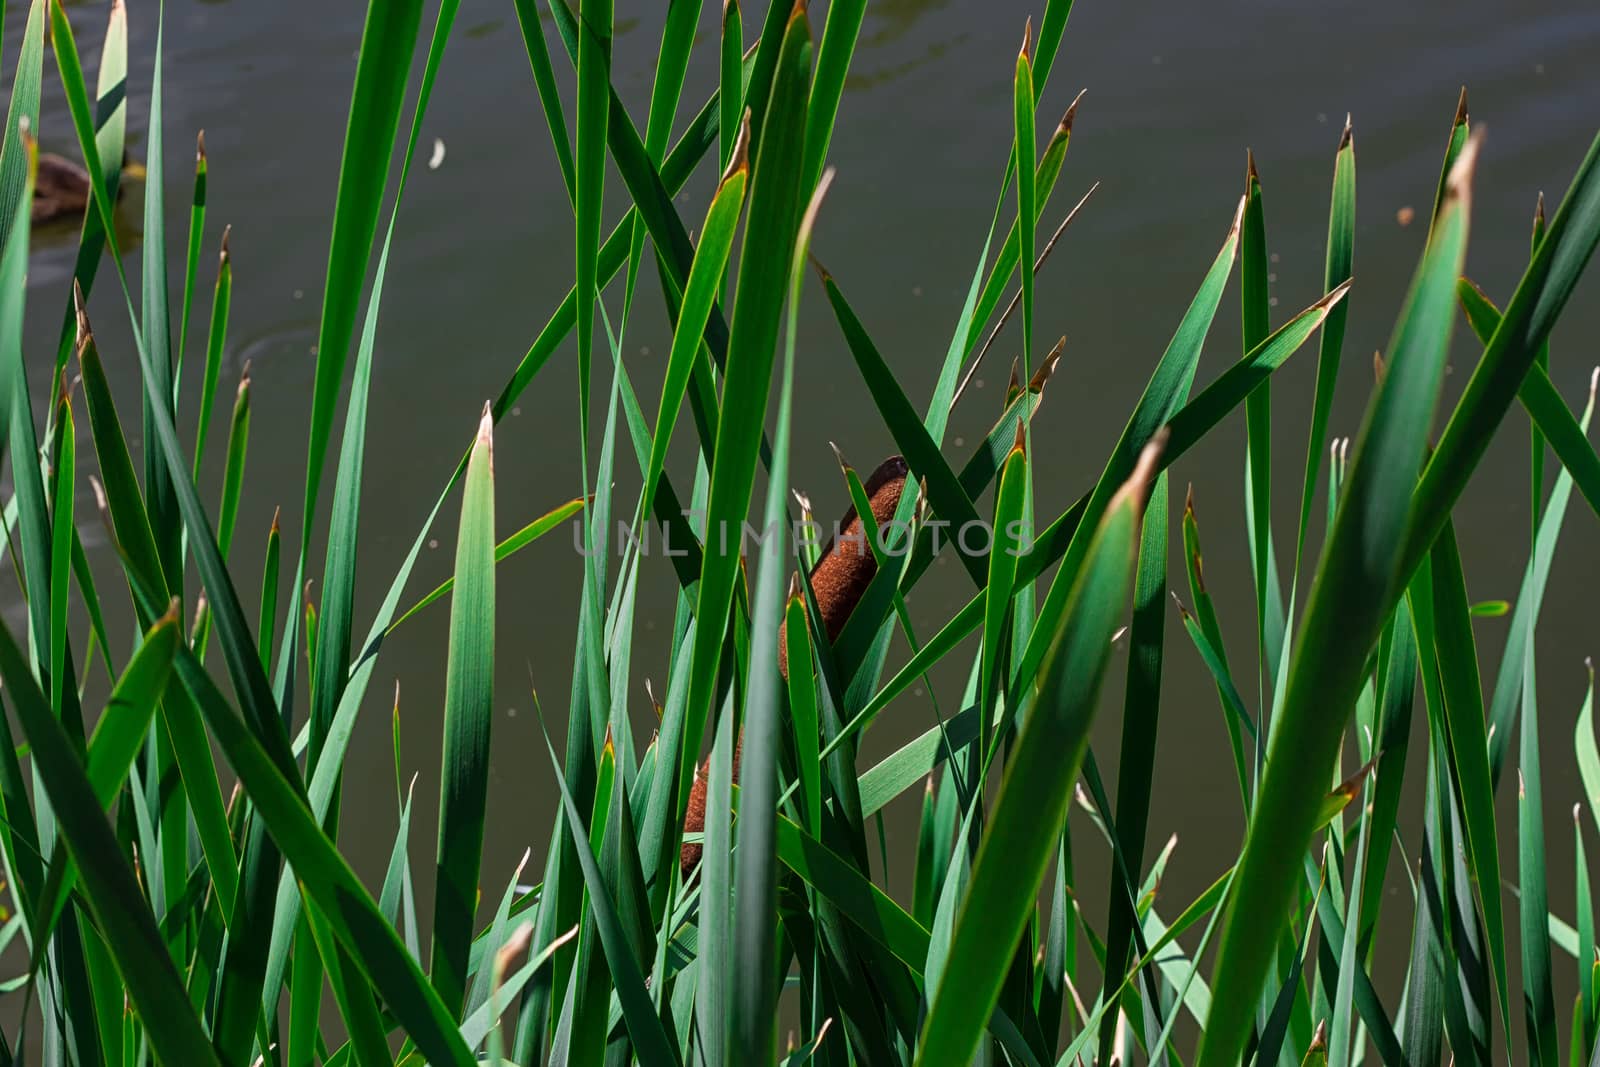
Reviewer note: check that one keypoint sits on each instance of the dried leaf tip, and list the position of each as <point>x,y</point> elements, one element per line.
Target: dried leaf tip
<point>486,431</point>
<point>844,464</point>
<point>1319,1040</point>
<point>85,336</point>
<point>244,378</point>
<point>1348,135</point>
<point>1015,384</point>
<point>799,9</point>
<point>808,221</point>
<point>1594,381</point>
<point>515,946</point>
<point>273,532</point>
<point>1458,186</point>
<point>610,747</point>
<point>1020,446</point>
<point>1144,472</point>
<point>174,611</point>
<point>200,149</point>
<point>1538,211</point>
<point>1461,108</point>
<point>1251,175</point>
<point>1238,219</point>
<point>1336,294</point>
<point>1065,126</point>
<point>224,257</point>
<point>1027,41</point>
<point>794,586</point>
<point>1048,367</point>
<point>739,159</point>
<point>1377,367</point>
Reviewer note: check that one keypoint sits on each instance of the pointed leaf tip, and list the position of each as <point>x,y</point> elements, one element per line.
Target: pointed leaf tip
<point>1048,367</point>
<point>199,145</point>
<point>224,257</point>
<point>1461,108</point>
<point>1348,135</point>
<point>1144,472</point>
<point>1065,126</point>
<point>1252,176</point>
<point>844,464</point>
<point>1027,41</point>
<point>1458,186</point>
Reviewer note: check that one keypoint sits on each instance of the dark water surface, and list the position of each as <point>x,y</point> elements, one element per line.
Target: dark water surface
<point>1176,93</point>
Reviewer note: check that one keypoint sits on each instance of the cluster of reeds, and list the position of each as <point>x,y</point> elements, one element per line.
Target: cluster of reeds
<point>155,916</point>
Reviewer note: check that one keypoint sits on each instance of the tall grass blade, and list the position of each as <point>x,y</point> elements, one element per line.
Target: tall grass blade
<point>1357,579</point>
<point>1023,831</point>
<point>763,280</point>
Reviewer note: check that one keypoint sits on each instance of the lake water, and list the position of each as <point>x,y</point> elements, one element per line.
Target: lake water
<point>1176,93</point>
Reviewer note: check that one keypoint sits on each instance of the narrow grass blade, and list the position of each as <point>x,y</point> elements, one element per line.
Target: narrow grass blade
<point>191,261</point>
<point>1026,149</point>
<point>643,1025</point>
<point>705,277</point>
<point>216,341</point>
<point>1141,719</point>
<point>774,214</point>
<point>755,887</point>
<point>152,982</point>
<point>1337,268</point>
<point>1514,348</point>
<point>233,469</point>
<point>1358,578</point>
<point>1538,996</point>
<point>15,193</point>
<point>1037,786</point>
<point>524,537</point>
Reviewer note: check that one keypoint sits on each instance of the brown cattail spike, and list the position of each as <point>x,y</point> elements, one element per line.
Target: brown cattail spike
<point>838,581</point>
